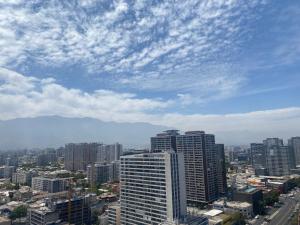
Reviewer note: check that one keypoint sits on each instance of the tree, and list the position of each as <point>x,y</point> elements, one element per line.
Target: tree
<point>95,219</point>
<point>20,211</point>
<point>236,219</point>
<point>271,197</point>
<point>17,186</point>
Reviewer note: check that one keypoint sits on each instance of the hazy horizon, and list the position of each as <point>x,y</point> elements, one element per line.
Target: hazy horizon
<point>226,67</point>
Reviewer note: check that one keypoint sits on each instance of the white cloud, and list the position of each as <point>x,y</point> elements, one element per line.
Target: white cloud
<point>22,96</point>
<point>120,37</point>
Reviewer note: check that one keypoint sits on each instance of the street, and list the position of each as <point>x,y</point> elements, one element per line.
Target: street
<point>283,213</point>
<point>280,216</point>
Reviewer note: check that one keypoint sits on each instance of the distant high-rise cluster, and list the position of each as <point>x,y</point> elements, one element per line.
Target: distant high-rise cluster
<point>294,147</point>
<point>109,153</point>
<point>276,158</point>
<point>78,156</point>
<point>99,173</point>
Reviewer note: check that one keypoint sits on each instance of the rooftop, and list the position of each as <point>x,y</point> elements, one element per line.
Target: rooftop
<point>251,189</point>
<point>213,212</point>
<point>4,219</point>
<point>233,204</point>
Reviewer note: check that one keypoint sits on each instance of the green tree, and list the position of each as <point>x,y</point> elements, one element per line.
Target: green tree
<point>236,219</point>
<point>20,211</point>
<point>271,197</point>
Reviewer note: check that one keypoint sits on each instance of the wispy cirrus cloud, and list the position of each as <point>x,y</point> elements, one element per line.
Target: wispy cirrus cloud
<point>132,39</point>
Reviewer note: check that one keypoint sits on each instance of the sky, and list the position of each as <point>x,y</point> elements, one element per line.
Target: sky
<point>228,67</point>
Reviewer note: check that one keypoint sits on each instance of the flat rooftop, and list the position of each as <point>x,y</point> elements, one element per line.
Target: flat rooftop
<point>213,212</point>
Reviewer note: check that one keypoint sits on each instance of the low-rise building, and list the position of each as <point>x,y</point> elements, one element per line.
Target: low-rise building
<point>50,185</point>
<point>23,194</point>
<point>76,210</point>
<point>251,195</point>
<point>22,177</point>
<point>43,216</point>
<point>244,208</point>
<point>5,221</point>
<point>190,220</point>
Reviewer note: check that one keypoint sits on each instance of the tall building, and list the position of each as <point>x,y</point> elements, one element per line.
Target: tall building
<point>109,153</point>
<point>6,171</point>
<point>165,141</point>
<point>200,166</point>
<point>44,158</point>
<point>114,214</point>
<point>277,156</point>
<point>78,156</point>
<point>152,188</point>
<point>269,142</point>
<point>98,173</point>
<point>114,171</point>
<point>294,146</point>
<point>205,179</point>
<point>221,169</point>
<point>50,185</point>
<point>258,155</point>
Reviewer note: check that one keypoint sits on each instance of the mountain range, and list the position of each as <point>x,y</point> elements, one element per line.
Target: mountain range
<point>55,131</point>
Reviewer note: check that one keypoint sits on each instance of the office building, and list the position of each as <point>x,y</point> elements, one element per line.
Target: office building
<point>200,166</point>
<point>205,179</point>
<point>165,141</point>
<point>114,171</point>
<point>46,158</point>
<point>221,170</point>
<point>294,147</point>
<point>109,153</point>
<point>152,188</point>
<point>258,155</point>
<point>6,171</point>
<point>98,173</point>
<point>78,156</point>
<point>269,142</point>
<point>277,157</point>
<point>50,185</point>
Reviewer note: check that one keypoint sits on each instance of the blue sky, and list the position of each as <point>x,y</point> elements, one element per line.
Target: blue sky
<point>174,63</point>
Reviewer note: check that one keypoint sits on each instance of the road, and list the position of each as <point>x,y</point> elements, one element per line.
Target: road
<point>283,213</point>
<point>280,215</point>
<point>261,220</point>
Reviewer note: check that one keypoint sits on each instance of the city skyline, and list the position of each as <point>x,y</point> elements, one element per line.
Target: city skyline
<point>226,67</point>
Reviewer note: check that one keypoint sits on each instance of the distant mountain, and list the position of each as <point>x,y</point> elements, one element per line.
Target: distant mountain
<point>55,131</point>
